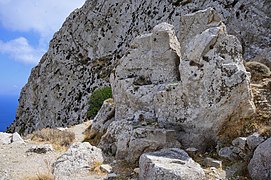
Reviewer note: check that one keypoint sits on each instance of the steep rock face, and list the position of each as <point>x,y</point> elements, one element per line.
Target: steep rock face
<point>195,94</point>
<point>83,51</point>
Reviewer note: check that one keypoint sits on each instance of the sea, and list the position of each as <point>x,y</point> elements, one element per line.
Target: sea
<point>8,105</point>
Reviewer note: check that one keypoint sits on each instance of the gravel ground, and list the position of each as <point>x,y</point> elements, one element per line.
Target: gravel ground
<point>17,164</point>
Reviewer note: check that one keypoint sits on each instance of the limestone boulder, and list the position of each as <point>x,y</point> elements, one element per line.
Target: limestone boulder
<point>194,86</point>
<point>104,117</point>
<point>17,139</point>
<point>5,138</point>
<point>169,164</point>
<point>77,161</point>
<point>259,166</point>
<point>126,140</point>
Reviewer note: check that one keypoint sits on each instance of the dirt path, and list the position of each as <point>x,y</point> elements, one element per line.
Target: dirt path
<point>16,164</point>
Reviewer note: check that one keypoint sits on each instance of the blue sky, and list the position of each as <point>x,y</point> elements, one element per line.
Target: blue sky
<point>26,27</point>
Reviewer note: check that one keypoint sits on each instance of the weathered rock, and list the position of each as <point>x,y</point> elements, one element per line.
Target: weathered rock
<point>242,147</point>
<point>169,164</point>
<point>227,152</point>
<point>137,170</point>
<point>5,138</point>
<point>77,161</point>
<point>128,141</point>
<point>82,53</point>
<point>240,142</point>
<point>17,139</point>
<point>260,165</point>
<point>104,117</point>
<point>254,140</point>
<point>106,168</point>
<point>195,93</point>
<point>111,176</point>
<point>210,162</point>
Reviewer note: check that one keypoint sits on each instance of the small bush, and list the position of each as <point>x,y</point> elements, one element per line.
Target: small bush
<point>96,100</point>
<point>61,140</point>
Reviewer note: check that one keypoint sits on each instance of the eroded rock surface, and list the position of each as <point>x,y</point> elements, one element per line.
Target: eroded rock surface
<point>169,164</point>
<point>127,141</point>
<point>77,161</point>
<point>82,53</point>
<point>193,87</point>
<point>260,165</point>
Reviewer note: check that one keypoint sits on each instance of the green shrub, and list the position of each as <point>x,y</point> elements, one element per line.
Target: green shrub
<point>96,100</point>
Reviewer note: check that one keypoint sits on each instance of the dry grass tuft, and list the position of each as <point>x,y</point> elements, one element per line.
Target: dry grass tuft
<point>43,176</point>
<point>92,136</point>
<point>96,168</point>
<point>61,140</point>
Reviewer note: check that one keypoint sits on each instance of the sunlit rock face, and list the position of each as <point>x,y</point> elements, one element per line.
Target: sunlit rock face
<point>195,93</point>
<point>83,52</point>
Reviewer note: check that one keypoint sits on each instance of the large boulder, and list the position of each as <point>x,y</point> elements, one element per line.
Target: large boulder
<point>169,164</point>
<point>259,166</point>
<point>77,161</point>
<point>194,86</point>
<point>126,140</point>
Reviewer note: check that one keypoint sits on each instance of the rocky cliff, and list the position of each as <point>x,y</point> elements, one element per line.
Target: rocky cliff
<point>92,39</point>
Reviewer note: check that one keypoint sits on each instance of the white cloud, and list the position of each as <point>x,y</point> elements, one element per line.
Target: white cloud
<point>43,17</point>
<point>20,50</point>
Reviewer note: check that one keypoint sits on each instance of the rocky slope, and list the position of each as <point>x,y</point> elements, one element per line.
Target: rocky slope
<point>93,38</point>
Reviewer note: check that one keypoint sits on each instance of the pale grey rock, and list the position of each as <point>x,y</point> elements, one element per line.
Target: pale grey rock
<point>259,166</point>
<point>227,152</point>
<point>137,170</point>
<point>128,141</point>
<point>191,151</point>
<point>111,176</point>
<point>210,162</point>
<point>169,164</point>
<point>106,168</point>
<point>240,142</point>
<point>77,161</point>
<point>17,139</point>
<point>104,117</point>
<point>254,140</point>
<point>194,92</point>
<point>5,138</point>
<point>242,148</point>
<point>85,49</point>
